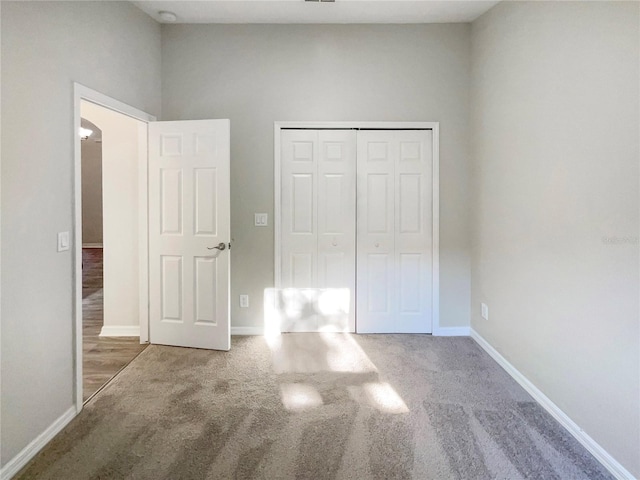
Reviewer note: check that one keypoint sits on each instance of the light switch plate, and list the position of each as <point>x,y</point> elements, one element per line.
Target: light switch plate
<point>63,241</point>
<point>261,219</point>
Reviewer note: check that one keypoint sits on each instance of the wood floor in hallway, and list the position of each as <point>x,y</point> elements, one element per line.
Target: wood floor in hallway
<point>102,357</point>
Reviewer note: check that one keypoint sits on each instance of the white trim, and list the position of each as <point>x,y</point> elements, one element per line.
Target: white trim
<point>452,332</point>
<point>435,209</point>
<point>277,216</point>
<point>435,128</point>
<point>27,453</point>
<point>358,125</point>
<point>1,476</point>
<point>93,96</point>
<point>247,331</point>
<point>120,331</point>
<point>80,92</point>
<point>574,429</point>
<point>92,245</point>
<point>143,231</point>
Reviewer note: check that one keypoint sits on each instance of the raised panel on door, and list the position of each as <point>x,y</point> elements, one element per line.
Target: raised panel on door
<point>334,267</point>
<point>189,215</point>
<point>302,270</point>
<point>171,203</point>
<point>410,203</point>
<point>302,208</point>
<point>317,228</point>
<point>205,194</point>
<point>379,203</point>
<point>205,303</point>
<point>171,277</point>
<point>379,283</point>
<point>335,193</point>
<point>376,295</point>
<point>410,285</point>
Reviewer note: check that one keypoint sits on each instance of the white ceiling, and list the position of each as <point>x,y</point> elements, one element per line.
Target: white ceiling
<point>299,11</point>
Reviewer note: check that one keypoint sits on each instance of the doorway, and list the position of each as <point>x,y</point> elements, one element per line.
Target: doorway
<point>356,227</point>
<point>172,177</point>
<point>90,295</point>
<point>109,203</point>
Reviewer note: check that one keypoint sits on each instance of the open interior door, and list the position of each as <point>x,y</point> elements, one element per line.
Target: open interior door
<point>189,235</point>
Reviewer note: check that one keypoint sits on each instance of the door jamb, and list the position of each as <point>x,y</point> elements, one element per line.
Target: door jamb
<point>80,92</point>
<point>434,126</point>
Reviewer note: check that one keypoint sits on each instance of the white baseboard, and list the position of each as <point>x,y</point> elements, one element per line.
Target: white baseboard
<point>92,245</point>
<point>438,332</point>
<point>451,332</point>
<point>14,465</point>
<point>589,443</point>
<point>120,331</point>
<point>247,331</point>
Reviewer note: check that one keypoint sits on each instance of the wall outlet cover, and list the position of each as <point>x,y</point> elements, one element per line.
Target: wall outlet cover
<point>244,301</point>
<point>485,311</point>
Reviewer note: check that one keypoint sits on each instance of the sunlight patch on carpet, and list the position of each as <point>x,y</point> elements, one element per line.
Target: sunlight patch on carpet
<point>299,397</point>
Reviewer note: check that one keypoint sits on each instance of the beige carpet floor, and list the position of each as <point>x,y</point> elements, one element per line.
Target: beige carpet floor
<point>315,406</point>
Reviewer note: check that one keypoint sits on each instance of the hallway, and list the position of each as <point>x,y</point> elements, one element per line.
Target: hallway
<point>103,357</point>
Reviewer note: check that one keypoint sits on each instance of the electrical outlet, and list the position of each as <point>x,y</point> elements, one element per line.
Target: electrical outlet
<point>244,301</point>
<point>485,311</point>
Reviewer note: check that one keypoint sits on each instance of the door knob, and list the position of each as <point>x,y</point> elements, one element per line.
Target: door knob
<point>221,246</point>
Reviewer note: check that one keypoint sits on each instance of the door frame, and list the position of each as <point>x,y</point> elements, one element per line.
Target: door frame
<point>277,223</point>
<point>80,93</point>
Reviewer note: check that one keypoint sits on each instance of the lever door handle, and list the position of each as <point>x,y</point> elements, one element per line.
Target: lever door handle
<point>221,246</point>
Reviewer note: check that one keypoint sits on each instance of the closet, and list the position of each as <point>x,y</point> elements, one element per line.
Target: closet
<point>355,237</point>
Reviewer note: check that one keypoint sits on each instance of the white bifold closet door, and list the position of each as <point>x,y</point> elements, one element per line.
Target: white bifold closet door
<point>318,227</point>
<point>395,233</point>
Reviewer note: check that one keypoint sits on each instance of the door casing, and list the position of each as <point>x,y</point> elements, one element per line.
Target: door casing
<point>80,93</point>
<point>434,126</point>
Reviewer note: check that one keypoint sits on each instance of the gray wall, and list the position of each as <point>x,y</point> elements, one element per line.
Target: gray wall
<point>257,74</point>
<point>555,163</point>
<point>109,46</point>
<point>555,155</point>
<point>91,191</point>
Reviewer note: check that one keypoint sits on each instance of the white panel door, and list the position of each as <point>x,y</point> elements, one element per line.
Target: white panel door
<point>395,235</point>
<point>189,211</point>
<point>317,230</point>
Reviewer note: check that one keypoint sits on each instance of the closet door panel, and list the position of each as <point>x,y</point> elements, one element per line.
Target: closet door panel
<point>318,230</point>
<point>299,255</point>
<point>394,231</point>
<point>413,230</point>
<point>337,229</point>
<point>375,226</point>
